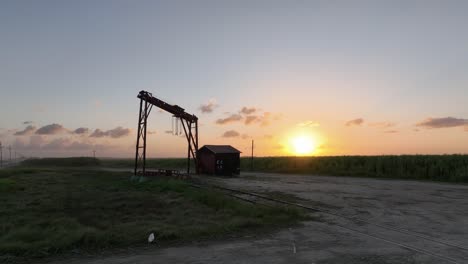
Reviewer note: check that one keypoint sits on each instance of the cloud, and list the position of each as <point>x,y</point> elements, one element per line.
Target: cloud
<point>57,144</point>
<point>27,122</point>
<point>355,122</point>
<point>230,119</point>
<point>250,119</point>
<point>35,143</point>
<point>231,134</point>
<point>81,131</point>
<point>390,131</point>
<point>98,133</point>
<point>245,136</point>
<point>382,124</point>
<point>308,123</point>
<point>250,115</point>
<point>51,129</point>
<point>443,122</point>
<point>117,132</point>
<point>29,130</point>
<point>248,110</point>
<point>263,120</point>
<point>209,106</point>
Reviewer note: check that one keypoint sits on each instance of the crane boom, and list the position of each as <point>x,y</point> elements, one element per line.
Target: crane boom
<point>176,110</point>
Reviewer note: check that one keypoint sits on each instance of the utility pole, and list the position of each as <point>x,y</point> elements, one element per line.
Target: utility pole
<point>251,157</point>
<point>1,155</point>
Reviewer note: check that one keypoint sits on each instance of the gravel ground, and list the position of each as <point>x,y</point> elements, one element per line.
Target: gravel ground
<point>438,210</point>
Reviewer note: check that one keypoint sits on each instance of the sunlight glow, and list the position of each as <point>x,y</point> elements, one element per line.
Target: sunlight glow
<point>303,145</point>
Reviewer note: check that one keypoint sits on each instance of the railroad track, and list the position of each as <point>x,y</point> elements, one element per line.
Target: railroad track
<point>242,195</point>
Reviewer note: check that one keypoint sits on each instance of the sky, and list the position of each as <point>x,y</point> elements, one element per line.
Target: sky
<point>336,77</point>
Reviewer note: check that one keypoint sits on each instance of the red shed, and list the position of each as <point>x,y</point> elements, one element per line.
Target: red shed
<point>219,160</point>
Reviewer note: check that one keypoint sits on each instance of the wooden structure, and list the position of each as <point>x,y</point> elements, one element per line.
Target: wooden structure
<point>219,160</point>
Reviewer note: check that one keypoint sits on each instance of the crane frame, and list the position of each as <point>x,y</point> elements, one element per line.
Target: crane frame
<point>189,125</point>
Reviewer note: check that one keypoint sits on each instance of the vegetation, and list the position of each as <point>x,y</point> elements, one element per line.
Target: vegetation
<point>46,211</point>
<point>62,162</point>
<point>161,163</point>
<point>451,168</point>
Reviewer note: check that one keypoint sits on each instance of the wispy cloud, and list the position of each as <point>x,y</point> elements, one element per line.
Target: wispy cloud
<point>51,129</point>
<point>250,115</point>
<point>248,110</point>
<point>443,122</point>
<point>355,122</point>
<point>209,106</point>
<point>81,131</point>
<point>27,122</point>
<point>98,133</point>
<point>58,144</point>
<point>308,123</point>
<point>250,119</point>
<point>231,134</point>
<point>230,119</point>
<point>382,124</point>
<point>263,119</point>
<point>391,131</point>
<point>117,132</point>
<point>29,130</point>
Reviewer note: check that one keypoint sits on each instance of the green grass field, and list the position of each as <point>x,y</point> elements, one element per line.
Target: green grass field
<point>52,210</point>
<point>449,168</point>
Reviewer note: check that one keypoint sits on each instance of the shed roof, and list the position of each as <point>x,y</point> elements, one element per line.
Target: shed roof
<point>220,149</point>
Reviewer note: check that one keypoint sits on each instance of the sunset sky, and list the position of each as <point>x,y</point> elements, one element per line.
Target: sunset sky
<point>346,77</point>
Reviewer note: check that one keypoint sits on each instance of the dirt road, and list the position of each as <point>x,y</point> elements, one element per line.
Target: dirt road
<point>437,211</point>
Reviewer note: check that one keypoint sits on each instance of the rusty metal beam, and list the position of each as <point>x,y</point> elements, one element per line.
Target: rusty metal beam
<point>147,101</point>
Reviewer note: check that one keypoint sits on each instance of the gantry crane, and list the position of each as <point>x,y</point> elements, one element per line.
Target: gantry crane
<point>189,124</point>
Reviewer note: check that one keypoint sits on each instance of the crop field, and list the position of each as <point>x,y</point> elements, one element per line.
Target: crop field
<point>56,210</point>
<point>448,168</point>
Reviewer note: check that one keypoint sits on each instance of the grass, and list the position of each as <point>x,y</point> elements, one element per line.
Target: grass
<point>160,163</point>
<point>48,211</point>
<point>62,162</point>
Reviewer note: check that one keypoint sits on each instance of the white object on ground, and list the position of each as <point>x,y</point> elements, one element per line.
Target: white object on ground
<point>151,238</point>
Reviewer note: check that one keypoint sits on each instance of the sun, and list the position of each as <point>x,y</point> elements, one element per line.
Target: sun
<point>303,145</point>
